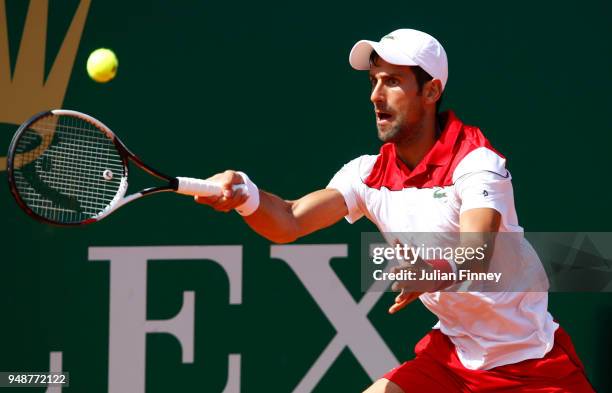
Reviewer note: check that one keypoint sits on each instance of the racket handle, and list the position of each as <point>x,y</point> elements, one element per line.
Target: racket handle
<point>199,187</point>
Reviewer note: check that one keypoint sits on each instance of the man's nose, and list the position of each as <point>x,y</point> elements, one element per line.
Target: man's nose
<point>377,94</point>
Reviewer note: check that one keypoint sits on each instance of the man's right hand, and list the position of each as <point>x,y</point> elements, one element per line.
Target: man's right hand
<point>230,198</point>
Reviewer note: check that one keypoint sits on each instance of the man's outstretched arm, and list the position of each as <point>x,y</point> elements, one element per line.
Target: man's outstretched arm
<point>276,219</point>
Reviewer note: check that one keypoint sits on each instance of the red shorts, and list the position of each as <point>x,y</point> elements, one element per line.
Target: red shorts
<point>436,368</point>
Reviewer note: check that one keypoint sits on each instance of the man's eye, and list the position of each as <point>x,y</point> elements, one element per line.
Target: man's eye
<point>392,82</point>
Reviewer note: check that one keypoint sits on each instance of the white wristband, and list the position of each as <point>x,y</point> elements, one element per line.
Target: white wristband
<point>252,202</point>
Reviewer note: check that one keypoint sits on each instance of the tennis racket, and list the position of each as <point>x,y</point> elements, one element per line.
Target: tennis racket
<point>67,168</point>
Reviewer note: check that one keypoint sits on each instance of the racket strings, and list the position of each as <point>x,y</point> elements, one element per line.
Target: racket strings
<point>73,173</point>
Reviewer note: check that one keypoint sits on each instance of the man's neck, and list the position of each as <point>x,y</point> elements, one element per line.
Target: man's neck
<point>412,152</point>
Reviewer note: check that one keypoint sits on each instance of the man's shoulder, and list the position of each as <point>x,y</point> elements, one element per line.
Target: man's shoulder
<point>474,153</point>
<point>355,171</point>
<point>361,166</point>
<point>480,159</point>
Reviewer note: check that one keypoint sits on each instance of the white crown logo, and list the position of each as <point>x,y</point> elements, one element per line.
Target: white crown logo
<point>28,92</point>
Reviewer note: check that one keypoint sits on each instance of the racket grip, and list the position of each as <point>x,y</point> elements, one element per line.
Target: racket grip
<point>199,187</point>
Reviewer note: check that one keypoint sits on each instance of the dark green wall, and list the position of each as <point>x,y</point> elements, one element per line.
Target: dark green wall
<point>266,87</point>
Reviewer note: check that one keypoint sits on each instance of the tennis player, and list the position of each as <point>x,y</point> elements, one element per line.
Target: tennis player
<point>433,174</point>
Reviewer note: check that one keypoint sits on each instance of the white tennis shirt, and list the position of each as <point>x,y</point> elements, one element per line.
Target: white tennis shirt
<point>488,329</point>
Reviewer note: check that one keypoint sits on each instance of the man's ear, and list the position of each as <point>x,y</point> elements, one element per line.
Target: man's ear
<point>432,91</point>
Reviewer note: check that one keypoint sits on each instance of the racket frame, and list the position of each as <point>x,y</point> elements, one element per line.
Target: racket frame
<point>126,155</point>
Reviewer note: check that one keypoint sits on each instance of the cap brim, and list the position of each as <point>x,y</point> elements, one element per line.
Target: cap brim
<point>359,58</point>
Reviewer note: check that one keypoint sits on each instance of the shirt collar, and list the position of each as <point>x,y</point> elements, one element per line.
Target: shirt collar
<point>442,151</point>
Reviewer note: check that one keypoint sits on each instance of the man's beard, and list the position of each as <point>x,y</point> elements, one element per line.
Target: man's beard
<point>392,134</point>
<point>398,132</point>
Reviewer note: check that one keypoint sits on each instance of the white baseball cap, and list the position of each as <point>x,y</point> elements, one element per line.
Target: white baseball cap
<point>404,47</point>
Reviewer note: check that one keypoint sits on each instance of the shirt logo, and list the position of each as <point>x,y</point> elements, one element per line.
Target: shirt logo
<point>485,193</point>
<point>439,193</point>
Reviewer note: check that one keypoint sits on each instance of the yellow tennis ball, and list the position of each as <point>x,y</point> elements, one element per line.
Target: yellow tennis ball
<point>102,65</point>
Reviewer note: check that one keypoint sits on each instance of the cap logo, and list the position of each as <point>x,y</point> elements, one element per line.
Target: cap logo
<point>388,37</point>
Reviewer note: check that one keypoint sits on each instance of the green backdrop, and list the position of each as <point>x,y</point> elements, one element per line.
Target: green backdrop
<point>265,87</point>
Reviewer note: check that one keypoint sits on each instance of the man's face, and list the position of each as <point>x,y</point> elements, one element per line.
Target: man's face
<point>397,101</point>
